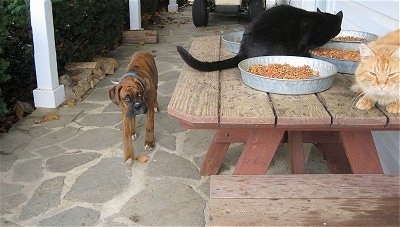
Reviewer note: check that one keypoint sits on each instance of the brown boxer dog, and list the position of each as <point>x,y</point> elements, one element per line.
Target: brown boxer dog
<point>136,93</point>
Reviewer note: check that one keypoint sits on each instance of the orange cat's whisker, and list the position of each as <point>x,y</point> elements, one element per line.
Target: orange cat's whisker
<point>353,100</point>
<point>396,93</point>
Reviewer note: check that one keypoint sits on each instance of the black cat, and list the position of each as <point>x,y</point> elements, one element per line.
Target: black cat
<point>281,30</point>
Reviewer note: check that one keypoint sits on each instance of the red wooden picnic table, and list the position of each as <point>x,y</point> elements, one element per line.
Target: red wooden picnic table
<point>219,100</point>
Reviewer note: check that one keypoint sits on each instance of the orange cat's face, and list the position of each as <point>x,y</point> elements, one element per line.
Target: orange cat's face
<point>378,75</point>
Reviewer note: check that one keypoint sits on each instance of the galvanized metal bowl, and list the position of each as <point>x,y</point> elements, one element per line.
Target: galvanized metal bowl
<point>343,66</point>
<point>289,86</point>
<point>359,34</point>
<point>232,41</point>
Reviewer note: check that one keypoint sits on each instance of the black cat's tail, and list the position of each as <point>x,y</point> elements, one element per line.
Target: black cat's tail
<point>208,66</point>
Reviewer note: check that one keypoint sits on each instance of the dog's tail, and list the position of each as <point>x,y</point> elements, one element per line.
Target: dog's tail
<point>208,66</point>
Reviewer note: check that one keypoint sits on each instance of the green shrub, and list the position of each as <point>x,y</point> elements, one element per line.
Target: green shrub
<point>16,56</point>
<point>3,62</point>
<point>149,6</point>
<point>86,28</point>
<point>3,34</point>
<point>82,29</point>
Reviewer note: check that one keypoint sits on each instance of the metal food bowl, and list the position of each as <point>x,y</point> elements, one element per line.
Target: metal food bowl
<point>289,86</point>
<point>343,66</point>
<point>232,41</point>
<point>365,35</point>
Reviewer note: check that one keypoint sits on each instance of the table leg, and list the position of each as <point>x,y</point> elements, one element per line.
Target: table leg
<point>361,152</point>
<point>259,151</point>
<point>296,152</point>
<point>335,157</point>
<point>215,154</point>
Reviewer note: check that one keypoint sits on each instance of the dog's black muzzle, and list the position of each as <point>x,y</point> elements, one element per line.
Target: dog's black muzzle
<point>137,107</point>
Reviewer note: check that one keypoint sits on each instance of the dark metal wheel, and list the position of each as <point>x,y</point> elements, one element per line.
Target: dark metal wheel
<point>200,13</point>
<point>255,8</point>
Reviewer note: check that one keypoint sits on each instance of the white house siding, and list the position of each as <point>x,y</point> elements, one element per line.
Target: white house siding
<point>375,16</point>
<point>378,17</point>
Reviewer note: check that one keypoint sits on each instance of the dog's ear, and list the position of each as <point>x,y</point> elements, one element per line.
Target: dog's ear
<point>114,94</point>
<point>146,87</point>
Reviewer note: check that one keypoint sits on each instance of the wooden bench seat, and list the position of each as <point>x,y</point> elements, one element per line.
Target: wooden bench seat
<point>305,200</point>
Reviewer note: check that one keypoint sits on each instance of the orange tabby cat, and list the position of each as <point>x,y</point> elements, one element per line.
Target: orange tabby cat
<point>377,76</point>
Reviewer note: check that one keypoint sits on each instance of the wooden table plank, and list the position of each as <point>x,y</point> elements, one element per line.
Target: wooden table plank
<point>305,200</point>
<point>196,95</point>
<point>299,110</point>
<point>304,212</point>
<point>340,102</point>
<point>318,186</point>
<point>240,104</point>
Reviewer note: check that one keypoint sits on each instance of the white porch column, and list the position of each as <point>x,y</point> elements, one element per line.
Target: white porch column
<point>172,6</point>
<point>135,15</point>
<point>49,93</point>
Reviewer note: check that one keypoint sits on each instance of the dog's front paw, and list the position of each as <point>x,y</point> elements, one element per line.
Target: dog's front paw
<point>129,162</point>
<point>148,147</point>
<point>134,137</point>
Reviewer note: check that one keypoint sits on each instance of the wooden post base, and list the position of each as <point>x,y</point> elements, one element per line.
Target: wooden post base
<point>139,37</point>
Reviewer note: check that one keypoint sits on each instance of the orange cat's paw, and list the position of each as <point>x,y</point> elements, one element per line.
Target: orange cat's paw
<point>393,108</point>
<point>364,104</point>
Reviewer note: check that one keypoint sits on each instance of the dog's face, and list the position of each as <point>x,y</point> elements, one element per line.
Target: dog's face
<point>129,95</point>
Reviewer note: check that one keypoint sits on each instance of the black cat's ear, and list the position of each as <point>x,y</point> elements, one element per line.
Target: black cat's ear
<point>319,11</point>
<point>340,14</point>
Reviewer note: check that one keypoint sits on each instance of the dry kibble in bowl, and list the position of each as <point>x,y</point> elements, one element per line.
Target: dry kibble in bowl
<point>339,54</point>
<point>349,39</point>
<point>283,71</point>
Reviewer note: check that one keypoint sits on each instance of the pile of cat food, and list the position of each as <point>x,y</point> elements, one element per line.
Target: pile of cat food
<point>283,71</point>
<point>349,39</point>
<point>339,54</point>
